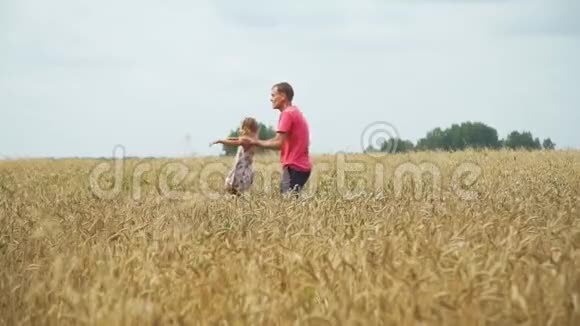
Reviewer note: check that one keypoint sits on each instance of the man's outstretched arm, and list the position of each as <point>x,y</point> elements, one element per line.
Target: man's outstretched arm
<point>273,143</point>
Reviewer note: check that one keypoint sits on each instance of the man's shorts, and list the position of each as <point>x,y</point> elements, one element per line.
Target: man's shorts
<point>293,180</point>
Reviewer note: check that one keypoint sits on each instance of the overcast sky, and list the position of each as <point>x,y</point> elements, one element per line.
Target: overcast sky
<point>78,77</point>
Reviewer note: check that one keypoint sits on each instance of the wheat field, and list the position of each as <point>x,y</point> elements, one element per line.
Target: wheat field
<point>497,243</point>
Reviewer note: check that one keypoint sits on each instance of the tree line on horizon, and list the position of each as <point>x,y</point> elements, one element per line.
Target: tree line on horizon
<point>467,135</point>
<point>475,135</point>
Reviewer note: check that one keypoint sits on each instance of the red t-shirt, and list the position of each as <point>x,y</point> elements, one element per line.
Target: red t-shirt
<point>294,152</point>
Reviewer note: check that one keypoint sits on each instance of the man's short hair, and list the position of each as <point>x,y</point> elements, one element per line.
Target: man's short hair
<point>286,89</point>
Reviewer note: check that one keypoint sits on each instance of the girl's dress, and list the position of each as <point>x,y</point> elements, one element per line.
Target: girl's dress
<point>241,176</point>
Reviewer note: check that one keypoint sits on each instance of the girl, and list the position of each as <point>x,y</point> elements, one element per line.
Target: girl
<point>241,177</point>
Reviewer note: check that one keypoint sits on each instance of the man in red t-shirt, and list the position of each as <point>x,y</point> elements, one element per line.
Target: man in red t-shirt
<point>292,138</point>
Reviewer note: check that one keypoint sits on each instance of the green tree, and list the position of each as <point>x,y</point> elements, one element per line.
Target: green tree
<point>401,146</point>
<point>266,132</point>
<point>433,140</point>
<point>460,136</point>
<point>523,140</point>
<point>548,144</point>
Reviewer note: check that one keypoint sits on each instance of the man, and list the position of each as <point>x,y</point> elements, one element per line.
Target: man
<point>292,139</point>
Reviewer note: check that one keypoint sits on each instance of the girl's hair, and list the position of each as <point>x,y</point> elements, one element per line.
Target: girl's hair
<point>249,127</point>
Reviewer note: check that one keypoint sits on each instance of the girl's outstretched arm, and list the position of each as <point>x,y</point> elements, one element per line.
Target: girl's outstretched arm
<point>228,142</point>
